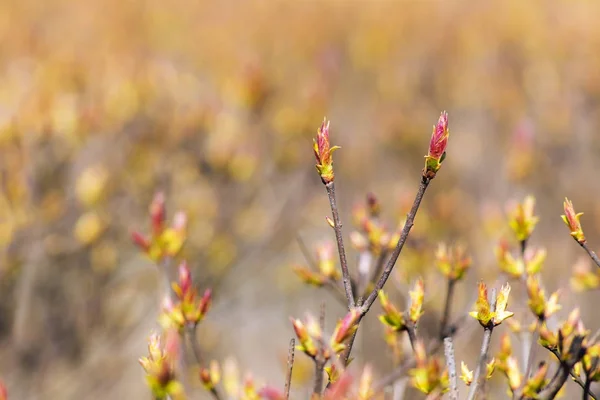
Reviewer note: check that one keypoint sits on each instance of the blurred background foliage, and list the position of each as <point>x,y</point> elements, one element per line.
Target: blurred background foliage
<point>104,102</point>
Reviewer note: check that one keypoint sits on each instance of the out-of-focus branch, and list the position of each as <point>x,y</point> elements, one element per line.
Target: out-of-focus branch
<point>447,309</point>
<point>320,358</point>
<point>191,334</point>
<point>451,364</point>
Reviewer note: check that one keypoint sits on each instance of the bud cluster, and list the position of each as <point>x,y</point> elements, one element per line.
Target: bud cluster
<point>402,321</point>
<point>428,375</point>
<point>485,313</point>
<point>164,241</point>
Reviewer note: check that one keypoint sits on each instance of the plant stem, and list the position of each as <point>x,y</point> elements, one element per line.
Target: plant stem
<point>412,334</point>
<point>485,346</point>
<point>320,358</point>
<point>410,219</point>
<point>591,253</point>
<point>346,279</point>
<point>479,378</point>
<point>447,309</point>
<point>576,378</point>
<point>586,389</point>
<point>534,340</point>
<point>290,366</point>
<point>557,382</point>
<point>191,334</point>
<point>451,364</point>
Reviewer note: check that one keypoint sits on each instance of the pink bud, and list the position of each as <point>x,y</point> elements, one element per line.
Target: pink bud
<point>270,393</point>
<point>180,221</point>
<point>140,241</point>
<point>185,279</point>
<point>439,138</point>
<point>172,344</point>
<point>158,213</point>
<point>205,302</point>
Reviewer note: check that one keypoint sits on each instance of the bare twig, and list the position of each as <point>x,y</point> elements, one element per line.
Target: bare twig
<point>320,358</point>
<point>479,377</point>
<point>410,220</point>
<point>557,382</point>
<point>451,364</point>
<point>346,353</point>
<point>411,330</point>
<point>576,378</point>
<point>191,335</point>
<point>447,308</point>
<point>575,353</point>
<point>366,305</point>
<point>591,253</point>
<point>346,279</point>
<point>586,389</point>
<point>290,367</point>
<point>532,346</point>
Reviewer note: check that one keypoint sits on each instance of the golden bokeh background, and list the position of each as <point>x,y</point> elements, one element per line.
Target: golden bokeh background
<point>102,103</point>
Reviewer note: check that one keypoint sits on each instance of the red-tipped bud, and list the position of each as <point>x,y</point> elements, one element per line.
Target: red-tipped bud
<point>205,302</point>
<point>439,138</point>
<point>307,344</point>
<point>140,241</point>
<point>437,146</point>
<point>158,213</point>
<point>323,152</point>
<point>185,279</point>
<point>571,219</point>
<point>344,329</point>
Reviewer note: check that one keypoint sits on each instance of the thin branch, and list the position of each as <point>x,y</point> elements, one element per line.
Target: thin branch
<point>534,340</point>
<point>576,378</point>
<point>411,330</point>
<point>320,359</point>
<point>591,253</point>
<point>290,367</point>
<point>575,353</point>
<point>479,378</point>
<point>410,220</point>
<point>451,364</point>
<point>346,279</point>
<point>447,308</point>
<point>586,389</point>
<point>557,382</point>
<point>191,335</point>
<point>346,353</point>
